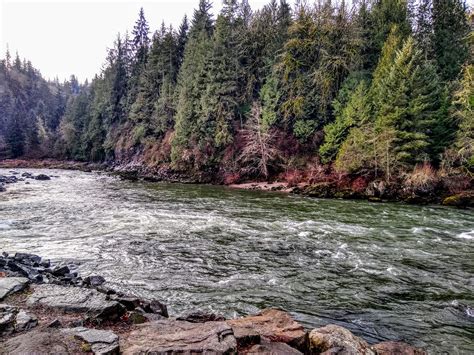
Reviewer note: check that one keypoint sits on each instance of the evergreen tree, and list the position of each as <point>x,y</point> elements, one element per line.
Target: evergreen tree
<point>450,32</point>
<point>191,84</point>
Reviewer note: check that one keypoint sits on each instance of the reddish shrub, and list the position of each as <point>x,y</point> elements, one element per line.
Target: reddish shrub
<point>359,184</point>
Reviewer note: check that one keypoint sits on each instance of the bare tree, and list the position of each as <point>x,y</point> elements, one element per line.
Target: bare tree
<point>259,152</point>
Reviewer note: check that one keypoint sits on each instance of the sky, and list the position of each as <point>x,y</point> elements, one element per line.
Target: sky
<point>67,37</point>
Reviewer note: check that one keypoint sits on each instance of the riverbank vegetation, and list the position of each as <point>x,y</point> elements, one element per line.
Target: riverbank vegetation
<point>342,95</point>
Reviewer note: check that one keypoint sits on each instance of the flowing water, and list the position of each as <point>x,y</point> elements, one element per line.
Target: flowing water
<point>385,271</point>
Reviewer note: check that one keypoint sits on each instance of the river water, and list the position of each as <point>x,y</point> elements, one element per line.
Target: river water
<point>385,271</point>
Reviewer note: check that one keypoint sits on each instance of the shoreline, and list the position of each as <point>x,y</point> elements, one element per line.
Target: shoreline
<point>46,307</point>
<point>375,191</point>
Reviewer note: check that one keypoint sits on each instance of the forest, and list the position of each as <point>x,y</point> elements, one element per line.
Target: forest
<point>370,89</point>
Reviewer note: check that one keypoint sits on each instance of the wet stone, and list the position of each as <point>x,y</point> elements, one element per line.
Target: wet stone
<point>76,299</point>
<point>9,285</point>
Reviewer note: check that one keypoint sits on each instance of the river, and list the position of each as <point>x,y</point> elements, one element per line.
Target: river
<point>385,271</point>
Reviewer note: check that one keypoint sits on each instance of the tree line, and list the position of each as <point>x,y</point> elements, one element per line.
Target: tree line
<point>373,87</point>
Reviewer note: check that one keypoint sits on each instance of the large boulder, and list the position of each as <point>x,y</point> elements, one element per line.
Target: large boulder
<point>9,285</point>
<point>100,341</point>
<point>177,337</point>
<point>76,299</point>
<point>272,324</point>
<point>396,348</point>
<point>334,339</point>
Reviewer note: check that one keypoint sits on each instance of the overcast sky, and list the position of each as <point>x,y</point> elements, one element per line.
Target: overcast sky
<point>64,37</point>
<point>71,36</point>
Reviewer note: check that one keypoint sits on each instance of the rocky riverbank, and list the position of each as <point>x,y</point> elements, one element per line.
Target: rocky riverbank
<point>49,308</point>
<point>356,188</point>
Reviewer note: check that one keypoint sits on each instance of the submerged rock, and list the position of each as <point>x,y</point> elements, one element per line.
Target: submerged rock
<point>9,285</point>
<point>173,336</point>
<point>334,339</point>
<point>201,317</point>
<point>42,177</point>
<point>272,324</point>
<point>94,281</point>
<point>76,299</point>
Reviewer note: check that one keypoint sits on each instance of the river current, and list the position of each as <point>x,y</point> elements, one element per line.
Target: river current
<point>385,271</point>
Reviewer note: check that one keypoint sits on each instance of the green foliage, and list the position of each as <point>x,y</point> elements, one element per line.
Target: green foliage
<point>464,115</point>
<point>355,112</point>
<point>450,31</point>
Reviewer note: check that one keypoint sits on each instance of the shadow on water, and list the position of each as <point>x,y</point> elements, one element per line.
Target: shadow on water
<point>386,271</point>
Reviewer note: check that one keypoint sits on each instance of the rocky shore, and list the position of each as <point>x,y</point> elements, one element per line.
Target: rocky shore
<point>373,191</point>
<point>47,308</point>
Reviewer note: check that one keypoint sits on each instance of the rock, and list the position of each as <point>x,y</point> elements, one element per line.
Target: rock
<point>2,188</point>
<point>42,177</point>
<point>60,270</point>
<point>13,319</point>
<point>45,341</point>
<point>76,299</point>
<point>130,303</point>
<point>273,324</point>
<point>7,319</point>
<point>28,271</point>
<point>173,336</point>
<point>55,324</point>
<point>94,281</point>
<point>335,338</point>
<point>396,348</point>
<point>100,341</point>
<point>45,263</point>
<point>9,285</point>
<point>137,317</point>
<point>25,321</point>
<point>462,200</point>
<point>156,307</point>
<point>271,348</point>
<point>29,259</point>
<point>201,317</point>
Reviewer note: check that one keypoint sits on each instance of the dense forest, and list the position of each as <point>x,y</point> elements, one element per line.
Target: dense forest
<point>379,89</point>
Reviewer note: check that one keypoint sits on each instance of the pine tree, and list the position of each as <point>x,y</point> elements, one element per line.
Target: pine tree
<point>409,105</point>
<point>464,115</point>
<point>355,113</point>
<point>450,31</point>
<point>191,85</point>
<point>424,28</point>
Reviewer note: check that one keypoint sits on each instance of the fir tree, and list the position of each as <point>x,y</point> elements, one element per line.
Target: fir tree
<point>450,31</point>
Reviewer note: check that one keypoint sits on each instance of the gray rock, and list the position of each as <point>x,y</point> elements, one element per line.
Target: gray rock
<point>101,341</point>
<point>7,319</point>
<point>60,270</point>
<point>55,324</point>
<point>172,337</point>
<point>42,177</point>
<point>94,281</point>
<point>25,321</point>
<point>46,341</point>
<point>13,319</point>
<point>9,285</point>
<point>76,299</point>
